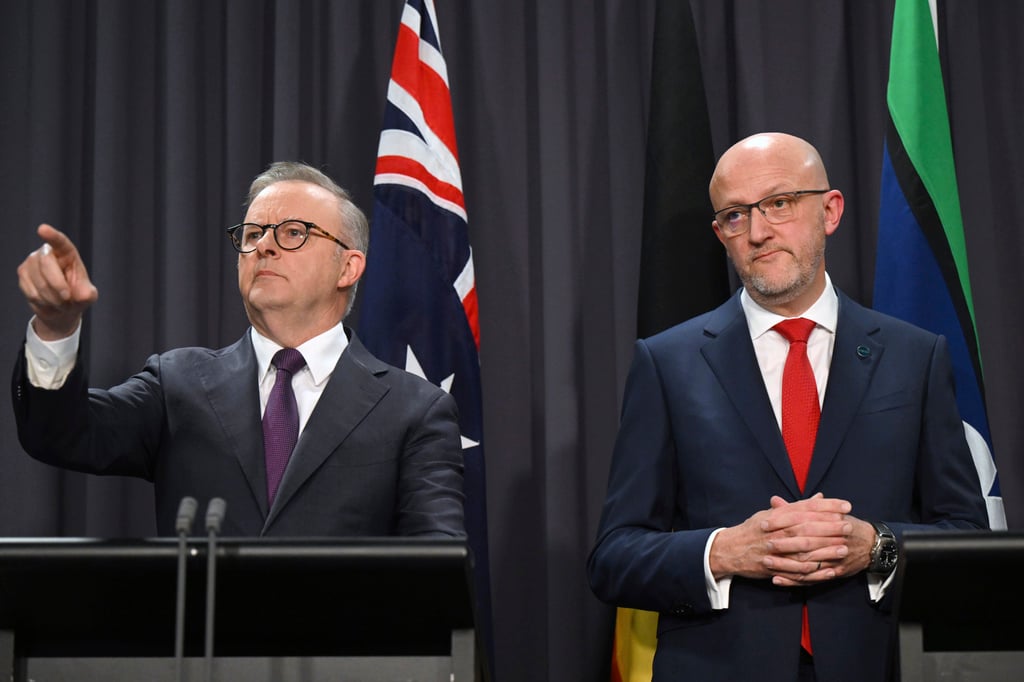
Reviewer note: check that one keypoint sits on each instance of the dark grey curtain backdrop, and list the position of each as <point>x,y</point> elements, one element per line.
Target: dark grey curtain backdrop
<point>136,125</point>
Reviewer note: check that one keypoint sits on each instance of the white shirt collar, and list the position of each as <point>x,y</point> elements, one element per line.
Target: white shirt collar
<point>321,352</point>
<point>824,312</point>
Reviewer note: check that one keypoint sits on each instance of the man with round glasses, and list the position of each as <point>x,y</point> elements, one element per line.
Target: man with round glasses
<point>772,452</point>
<point>296,426</point>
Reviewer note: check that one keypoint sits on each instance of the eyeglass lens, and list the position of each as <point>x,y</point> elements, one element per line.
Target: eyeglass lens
<point>776,209</point>
<point>289,235</point>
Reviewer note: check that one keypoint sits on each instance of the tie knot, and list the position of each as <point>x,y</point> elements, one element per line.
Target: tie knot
<point>797,329</point>
<point>288,360</point>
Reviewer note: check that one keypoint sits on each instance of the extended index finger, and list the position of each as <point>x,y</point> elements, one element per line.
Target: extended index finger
<point>59,242</point>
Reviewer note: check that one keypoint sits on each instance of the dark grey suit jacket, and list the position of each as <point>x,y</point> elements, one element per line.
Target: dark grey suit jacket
<point>699,448</point>
<point>380,455</point>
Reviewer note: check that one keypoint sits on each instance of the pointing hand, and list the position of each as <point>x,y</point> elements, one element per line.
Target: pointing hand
<point>56,285</point>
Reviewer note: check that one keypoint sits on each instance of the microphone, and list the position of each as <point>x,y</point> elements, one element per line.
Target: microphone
<point>214,518</point>
<point>182,526</point>
<point>186,515</point>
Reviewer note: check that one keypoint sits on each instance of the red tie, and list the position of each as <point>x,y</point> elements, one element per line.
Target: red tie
<point>800,409</point>
<point>800,413</point>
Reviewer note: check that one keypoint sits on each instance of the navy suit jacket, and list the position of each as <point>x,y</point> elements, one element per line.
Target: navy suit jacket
<point>380,454</point>
<point>699,448</point>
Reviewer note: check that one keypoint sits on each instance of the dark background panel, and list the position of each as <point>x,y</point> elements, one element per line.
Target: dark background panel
<point>137,126</point>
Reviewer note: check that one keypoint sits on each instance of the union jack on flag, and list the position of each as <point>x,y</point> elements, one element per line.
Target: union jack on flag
<point>419,307</point>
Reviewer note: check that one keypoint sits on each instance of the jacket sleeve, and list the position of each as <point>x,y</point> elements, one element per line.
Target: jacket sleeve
<point>92,431</point>
<point>430,496</point>
<point>640,560</point>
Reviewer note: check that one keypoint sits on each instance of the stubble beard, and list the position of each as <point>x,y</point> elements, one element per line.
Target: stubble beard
<point>772,291</point>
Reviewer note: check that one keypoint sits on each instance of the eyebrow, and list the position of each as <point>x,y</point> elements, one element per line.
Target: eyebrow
<point>771,192</point>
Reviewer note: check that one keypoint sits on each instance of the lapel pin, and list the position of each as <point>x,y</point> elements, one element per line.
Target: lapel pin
<point>863,351</point>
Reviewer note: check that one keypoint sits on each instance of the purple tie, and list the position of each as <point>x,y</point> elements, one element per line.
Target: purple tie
<point>281,418</point>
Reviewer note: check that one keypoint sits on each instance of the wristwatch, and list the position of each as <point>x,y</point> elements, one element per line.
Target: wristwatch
<point>886,552</point>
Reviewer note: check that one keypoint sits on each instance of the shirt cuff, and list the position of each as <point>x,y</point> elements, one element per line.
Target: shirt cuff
<point>48,363</point>
<point>879,584</point>
<point>718,590</point>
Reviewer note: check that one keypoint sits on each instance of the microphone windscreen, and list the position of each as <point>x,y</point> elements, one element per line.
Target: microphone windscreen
<point>215,514</point>
<point>186,515</point>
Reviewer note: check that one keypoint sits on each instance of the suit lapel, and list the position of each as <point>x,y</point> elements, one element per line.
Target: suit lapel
<point>232,387</point>
<point>730,354</point>
<point>855,356</point>
<point>351,392</point>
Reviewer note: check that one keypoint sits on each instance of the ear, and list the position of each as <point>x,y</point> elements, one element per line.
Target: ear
<point>833,210</point>
<point>352,269</point>
<point>718,232</point>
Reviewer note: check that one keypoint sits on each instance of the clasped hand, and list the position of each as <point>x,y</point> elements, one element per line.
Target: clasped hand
<point>795,543</point>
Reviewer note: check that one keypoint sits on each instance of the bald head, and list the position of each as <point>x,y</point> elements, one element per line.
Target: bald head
<point>763,155</point>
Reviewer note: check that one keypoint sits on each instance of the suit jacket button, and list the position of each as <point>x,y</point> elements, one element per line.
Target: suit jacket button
<point>682,609</point>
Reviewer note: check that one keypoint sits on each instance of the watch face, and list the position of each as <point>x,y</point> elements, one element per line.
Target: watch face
<point>887,554</point>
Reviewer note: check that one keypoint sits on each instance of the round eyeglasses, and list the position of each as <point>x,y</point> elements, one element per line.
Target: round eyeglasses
<point>776,209</point>
<point>289,235</point>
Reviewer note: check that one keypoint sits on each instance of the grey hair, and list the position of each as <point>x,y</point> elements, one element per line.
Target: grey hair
<point>353,220</point>
<point>354,224</point>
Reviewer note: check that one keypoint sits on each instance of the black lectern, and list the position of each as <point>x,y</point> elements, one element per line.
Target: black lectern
<point>302,609</point>
<point>960,606</point>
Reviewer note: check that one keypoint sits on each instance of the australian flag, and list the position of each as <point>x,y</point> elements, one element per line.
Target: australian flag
<point>419,307</point>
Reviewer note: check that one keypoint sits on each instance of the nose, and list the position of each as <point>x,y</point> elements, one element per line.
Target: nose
<point>266,242</point>
<point>760,228</point>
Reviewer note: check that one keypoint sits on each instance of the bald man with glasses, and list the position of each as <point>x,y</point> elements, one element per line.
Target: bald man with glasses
<point>772,452</point>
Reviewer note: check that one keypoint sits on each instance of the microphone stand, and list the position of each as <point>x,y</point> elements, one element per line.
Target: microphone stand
<point>183,526</point>
<point>214,518</point>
